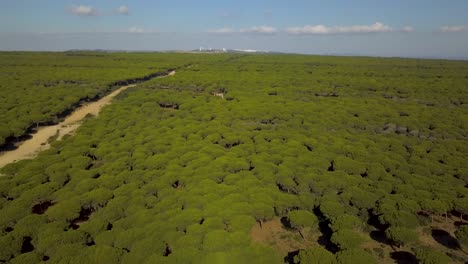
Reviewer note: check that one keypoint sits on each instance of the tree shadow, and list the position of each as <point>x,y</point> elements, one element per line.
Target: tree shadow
<point>324,227</point>
<point>373,220</point>
<point>458,214</point>
<point>325,239</point>
<point>404,257</point>
<point>286,223</point>
<point>41,208</point>
<point>289,259</point>
<point>445,239</point>
<point>26,246</point>
<point>85,213</point>
<point>12,143</point>
<point>8,146</point>
<point>379,236</point>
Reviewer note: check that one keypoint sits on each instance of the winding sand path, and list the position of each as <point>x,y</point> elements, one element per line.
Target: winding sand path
<point>39,141</point>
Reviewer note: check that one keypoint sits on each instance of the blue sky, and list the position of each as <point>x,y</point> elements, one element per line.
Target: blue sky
<point>411,28</point>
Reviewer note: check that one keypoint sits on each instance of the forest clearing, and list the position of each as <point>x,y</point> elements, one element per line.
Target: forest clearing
<point>237,158</point>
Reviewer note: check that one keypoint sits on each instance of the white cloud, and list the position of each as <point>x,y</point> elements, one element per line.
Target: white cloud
<point>251,30</point>
<point>259,30</point>
<point>224,30</point>
<point>454,29</point>
<point>407,29</point>
<point>354,29</point>
<point>123,10</point>
<point>136,30</point>
<point>318,29</point>
<point>83,10</point>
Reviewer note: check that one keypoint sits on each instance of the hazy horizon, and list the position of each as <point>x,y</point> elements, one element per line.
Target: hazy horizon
<point>362,28</point>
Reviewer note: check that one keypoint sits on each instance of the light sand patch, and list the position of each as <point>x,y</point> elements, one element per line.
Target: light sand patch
<point>274,234</point>
<point>443,243</point>
<point>384,251</point>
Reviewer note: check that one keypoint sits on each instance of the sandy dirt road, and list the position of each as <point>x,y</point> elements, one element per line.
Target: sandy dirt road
<point>39,141</point>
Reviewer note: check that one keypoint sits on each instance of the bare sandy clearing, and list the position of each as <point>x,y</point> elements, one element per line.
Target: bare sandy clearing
<point>273,233</point>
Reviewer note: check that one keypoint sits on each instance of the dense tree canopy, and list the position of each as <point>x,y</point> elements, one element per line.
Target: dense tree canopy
<point>170,173</point>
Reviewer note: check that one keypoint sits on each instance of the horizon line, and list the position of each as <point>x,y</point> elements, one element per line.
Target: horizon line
<point>247,51</point>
